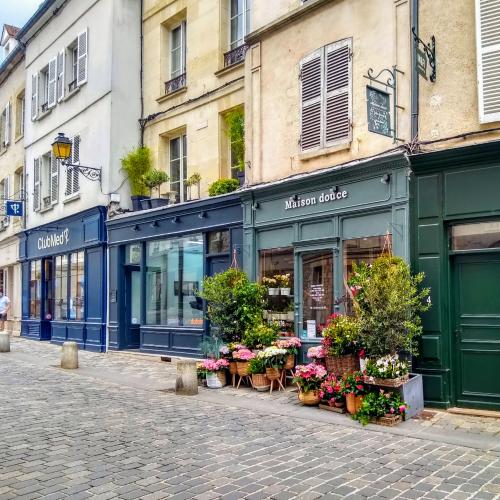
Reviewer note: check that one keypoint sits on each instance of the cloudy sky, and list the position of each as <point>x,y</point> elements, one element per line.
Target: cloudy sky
<point>16,12</point>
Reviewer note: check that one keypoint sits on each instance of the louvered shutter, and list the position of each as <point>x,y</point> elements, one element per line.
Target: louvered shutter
<point>34,96</point>
<point>6,195</point>
<point>36,184</point>
<point>488,59</point>
<point>310,97</point>
<point>52,76</point>
<point>7,124</point>
<point>82,60</point>
<point>54,179</point>
<point>60,75</point>
<point>337,111</point>
<point>72,174</point>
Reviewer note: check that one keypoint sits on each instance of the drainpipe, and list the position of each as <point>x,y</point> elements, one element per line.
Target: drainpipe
<point>141,121</point>
<point>414,73</point>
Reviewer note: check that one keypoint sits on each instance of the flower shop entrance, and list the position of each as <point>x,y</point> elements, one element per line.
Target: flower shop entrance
<point>476,313</point>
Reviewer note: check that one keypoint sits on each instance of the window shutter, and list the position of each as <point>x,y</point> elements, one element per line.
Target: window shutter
<point>72,174</point>
<point>60,75</point>
<point>7,124</point>
<point>6,195</point>
<point>81,67</point>
<point>54,179</point>
<point>34,96</point>
<point>36,184</point>
<point>488,59</point>
<point>310,99</point>
<point>183,46</point>
<point>337,111</point>
<point>52,76</point>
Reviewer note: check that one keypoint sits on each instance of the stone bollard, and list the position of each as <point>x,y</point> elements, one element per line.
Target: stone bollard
<point>69,355</point>
<point>4,342</point>
<point>186,383</point>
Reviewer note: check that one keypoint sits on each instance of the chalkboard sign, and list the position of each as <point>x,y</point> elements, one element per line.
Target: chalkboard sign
<point>378,108</point>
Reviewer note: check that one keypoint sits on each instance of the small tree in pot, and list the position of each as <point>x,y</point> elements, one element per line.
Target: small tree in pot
<point>136,164</point>
<point>153,179</point>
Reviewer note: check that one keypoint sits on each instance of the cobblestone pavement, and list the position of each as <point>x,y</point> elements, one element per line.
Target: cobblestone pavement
<point>93,433</point>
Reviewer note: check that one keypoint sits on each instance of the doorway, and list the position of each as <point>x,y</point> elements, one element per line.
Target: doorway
<point>132,307</point>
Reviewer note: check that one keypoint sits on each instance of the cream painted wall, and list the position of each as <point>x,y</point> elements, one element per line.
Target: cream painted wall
<point>449,106</point>
<point>380,33</point>
<point>210,92</point>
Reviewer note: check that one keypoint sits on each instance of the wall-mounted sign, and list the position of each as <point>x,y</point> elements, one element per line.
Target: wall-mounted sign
<point>14,208</point>
<point>378,105</point>
<point>53,240</point>
<point>421,62</point>
<point>325,197</point>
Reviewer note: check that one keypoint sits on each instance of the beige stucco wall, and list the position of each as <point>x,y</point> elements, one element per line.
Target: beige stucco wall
<point>210,92</point>
<point>449,106</point>
<point>380,39</point>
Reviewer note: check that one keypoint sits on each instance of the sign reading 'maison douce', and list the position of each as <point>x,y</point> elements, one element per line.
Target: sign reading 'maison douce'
<point>299,202</point>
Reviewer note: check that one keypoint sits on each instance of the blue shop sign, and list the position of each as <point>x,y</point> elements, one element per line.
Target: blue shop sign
<point>14,208</point>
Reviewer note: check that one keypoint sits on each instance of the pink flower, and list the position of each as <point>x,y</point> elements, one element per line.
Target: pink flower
<point>321,394</point>
<point>330,389</point>
<point>402,409</point>
<point>392,410</point>
<point>243,354</point>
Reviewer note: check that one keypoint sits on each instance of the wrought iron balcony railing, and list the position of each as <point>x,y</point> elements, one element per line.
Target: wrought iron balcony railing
<point>175,84</point>
<point>235,56</point>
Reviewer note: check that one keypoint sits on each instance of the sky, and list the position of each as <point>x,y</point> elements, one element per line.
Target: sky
<point>16,12</point>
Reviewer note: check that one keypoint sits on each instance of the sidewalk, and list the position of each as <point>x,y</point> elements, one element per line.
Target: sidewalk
<point>149,373</point>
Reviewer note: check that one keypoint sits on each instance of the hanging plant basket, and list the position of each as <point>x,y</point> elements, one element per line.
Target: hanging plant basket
<point>386,382</point>
<point>338,365</point>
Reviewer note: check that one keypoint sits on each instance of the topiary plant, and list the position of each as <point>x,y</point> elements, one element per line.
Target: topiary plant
<point>154,179</point>
<point>260,336</point>
<point>223,186</point>
<point>136,164</point>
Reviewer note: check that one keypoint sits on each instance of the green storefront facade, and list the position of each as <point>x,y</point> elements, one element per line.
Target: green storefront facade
<point>311,228</point>
<point>455,223</point>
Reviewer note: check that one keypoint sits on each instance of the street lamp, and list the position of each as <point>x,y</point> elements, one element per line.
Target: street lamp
<point>61,148</point>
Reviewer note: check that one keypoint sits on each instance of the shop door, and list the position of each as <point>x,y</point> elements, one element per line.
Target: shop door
<point>132,308</point>
<point>476,312</point>
<point>317,291</point>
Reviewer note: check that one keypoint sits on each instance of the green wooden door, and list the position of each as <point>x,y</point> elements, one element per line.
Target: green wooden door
<point>477,330</point>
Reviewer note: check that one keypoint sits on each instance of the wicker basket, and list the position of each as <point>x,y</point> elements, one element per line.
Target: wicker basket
<point>221,375</point>
<point>338,365</point>
<point>309,398</point>
<point>353,403</point>
<point>387,420</point>
<point>290,362</point>
<point>260,381</point>
<point>242,367</point>
<point>233,369</point>
<point>273,373</point>
<point>386,382</point>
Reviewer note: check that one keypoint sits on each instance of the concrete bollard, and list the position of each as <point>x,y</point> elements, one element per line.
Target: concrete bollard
<point>186,383</point>
<point>4,342</point>
<point>69,355</point>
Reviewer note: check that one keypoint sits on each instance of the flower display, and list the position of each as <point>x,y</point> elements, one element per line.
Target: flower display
<point>331,390</point>
<point>291,344</point>
<point>378,404</point>
<point>309,377</point>
<point>269,282</point>
<point>224,350</point>
<point>386,367</point>
<point>214,365</point>
<point>273,357</point>
<point>283,280</point>
<point>243,354</point>
<point>352,383</point>
<point>340,335</point>
<point>316,352</point>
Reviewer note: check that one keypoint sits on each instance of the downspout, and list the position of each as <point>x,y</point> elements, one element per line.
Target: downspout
<point>141,120</point>
<point>414,72</point>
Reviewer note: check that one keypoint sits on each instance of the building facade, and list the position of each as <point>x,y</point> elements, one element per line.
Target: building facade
<point>12,106</point>
<point>83,79</point>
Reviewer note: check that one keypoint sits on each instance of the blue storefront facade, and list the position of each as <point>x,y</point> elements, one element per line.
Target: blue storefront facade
<point>157,261</point>
<point>64,280</point>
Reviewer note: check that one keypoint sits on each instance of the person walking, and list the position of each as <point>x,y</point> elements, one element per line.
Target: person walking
<point>4,308</point>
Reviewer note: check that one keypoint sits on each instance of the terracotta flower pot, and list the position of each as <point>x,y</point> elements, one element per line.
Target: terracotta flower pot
<point>290,362</point>
<point>242,367</point>
<point>309,398</point>
<point>353,403</point>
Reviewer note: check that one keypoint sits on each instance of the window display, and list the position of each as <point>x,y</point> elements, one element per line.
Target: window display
<point>35,288</point>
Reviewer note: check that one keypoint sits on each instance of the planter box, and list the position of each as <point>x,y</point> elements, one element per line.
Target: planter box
<point>386,382</point>
<point>387,420</point>
<point>158,202</point>
<point>332,408</point>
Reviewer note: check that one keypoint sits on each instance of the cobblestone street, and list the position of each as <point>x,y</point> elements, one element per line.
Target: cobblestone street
<point>114,429</point>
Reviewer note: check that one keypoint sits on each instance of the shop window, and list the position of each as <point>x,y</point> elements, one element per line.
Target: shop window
<point>61,288</point>
<point>174,271</point>
<point>476,236</point>
<point>133,254</point>
<point>218,242</point>
<point>35,288</point>
<point>277,274</point>
<point>77,286</point>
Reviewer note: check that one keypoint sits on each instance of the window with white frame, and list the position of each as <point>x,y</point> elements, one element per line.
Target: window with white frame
<point>5,126</point>
<point>45,182</point>
<point>72,174</point>
<point>239,20</point>
<point>326,96</point>
<point>44,89</point>
<point>178,168</point>
<point>5,192</point>
<point>20,109</point>
<point>178,50</point>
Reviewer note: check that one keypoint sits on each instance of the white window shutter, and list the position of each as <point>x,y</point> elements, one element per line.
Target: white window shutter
<point>52,76</point>
<point>338,77</point>
<point>82,61</point>
<point>72,174</point>
<point>311,79</point>
<point>183,46</point>
<point>34,96</point>
<point>36,184</point>
<point>54,179</point>
<point>488,59</point>
<point>60,75</point>
<point>6,196</point>
<point>7,124</point>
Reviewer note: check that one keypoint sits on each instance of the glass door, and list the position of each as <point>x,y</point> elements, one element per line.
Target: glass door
<point>133,307</point>
<point>317,291</point>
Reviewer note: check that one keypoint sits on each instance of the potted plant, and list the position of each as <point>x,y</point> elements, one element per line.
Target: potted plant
<point>283,281</point>
<point>257,369</point>
<point>353,389</point>
<point>215,372</point>
<point>259,336</point>
<point>226,352</point>
<point>193,180</point>
<point>135,165</point>
<point>223,186</point>
<point>153,179</point>
<point>388,371</point>
<point>340,341</point>
<point>384,408</point>
<point>271,284</point>
<point>291,345</point>
<point>274,359</point>
<point>309,378</point>
<point>317,354</point>
<point>242,357</point>
<point>331,392</point>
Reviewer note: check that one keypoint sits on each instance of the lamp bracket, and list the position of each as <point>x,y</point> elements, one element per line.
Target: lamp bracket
<point>91,173</point>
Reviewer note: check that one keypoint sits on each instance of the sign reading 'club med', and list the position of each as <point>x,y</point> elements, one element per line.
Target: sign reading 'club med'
<point>325,197</point>
<point>54,240</point>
